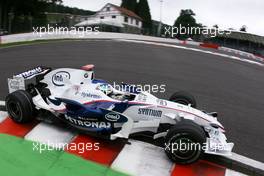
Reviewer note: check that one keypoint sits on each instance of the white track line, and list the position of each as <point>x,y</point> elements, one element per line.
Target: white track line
<point>51,135</point>
<point>195,49</point>
<point>2,103</point>
<point>233,173</point>
<point>247,161</point>
<point>3,116</point>
<point>143,159</point>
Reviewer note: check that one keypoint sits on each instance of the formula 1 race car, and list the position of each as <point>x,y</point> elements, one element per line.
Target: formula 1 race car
<point>76,98</point>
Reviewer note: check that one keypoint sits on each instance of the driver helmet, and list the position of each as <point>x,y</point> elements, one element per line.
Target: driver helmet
<point>106,88</point>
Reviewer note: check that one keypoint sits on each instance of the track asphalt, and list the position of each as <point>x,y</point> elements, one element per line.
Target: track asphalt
<point>232,88</point>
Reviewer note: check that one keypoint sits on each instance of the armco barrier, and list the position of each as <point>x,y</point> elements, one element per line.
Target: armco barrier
<point>261,58</point>
<point>242,53</point>
<point>102,35</point>
<point>186,42</point>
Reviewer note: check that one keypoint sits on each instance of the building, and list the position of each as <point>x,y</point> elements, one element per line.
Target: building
<point>112,18</point>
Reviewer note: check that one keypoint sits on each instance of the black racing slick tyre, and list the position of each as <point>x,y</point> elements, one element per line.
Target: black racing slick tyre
<point>183,97</point>
<point>184,143</point>
<point>20,107</point>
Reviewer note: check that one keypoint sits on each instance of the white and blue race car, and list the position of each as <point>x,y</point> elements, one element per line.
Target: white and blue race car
<point>75,97</point>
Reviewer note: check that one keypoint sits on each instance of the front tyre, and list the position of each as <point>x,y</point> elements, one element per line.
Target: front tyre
<point>20,107</point>
<point>184,142</point>
<point>184,98</point>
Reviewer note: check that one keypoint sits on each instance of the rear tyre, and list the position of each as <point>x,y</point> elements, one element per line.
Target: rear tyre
<point>184,142</point>
<point>184,98</point>
<point>20,106</point>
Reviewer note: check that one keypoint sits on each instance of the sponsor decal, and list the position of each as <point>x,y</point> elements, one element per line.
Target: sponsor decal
<point>85,118</point>
<point>89,95</point>
<point>76,88</point>
<point>88,124</point>
<point>142,98</point>
<point>86,75</point>
<point>149,112</point>
<point>30,73</point>
<point>113,117</point>
<point>180,106</point>
<point>14,84</point>
<point>59,78</point>
<point>162,102</point>
<point>17,83</point>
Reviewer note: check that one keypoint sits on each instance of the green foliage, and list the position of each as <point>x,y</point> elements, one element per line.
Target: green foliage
<point>19,7</point>
<point>216,26</point>
<point>58,8</point>
<point>129,4</point>
<point>243,28</point>
<point>143,11</point>
<point>28,13</point>
<point>186,19</point>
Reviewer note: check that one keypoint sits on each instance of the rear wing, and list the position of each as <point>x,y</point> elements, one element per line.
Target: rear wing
<point>21,80</point>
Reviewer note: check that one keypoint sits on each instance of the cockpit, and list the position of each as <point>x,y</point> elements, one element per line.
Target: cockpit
<point>116,94</point>
<point>107,89</point>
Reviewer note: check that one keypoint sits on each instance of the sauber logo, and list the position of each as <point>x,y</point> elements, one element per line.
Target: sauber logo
<point>112,117</point>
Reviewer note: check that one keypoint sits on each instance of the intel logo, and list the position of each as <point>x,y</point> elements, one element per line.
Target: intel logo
<point>112,117</point>
<point>59,78</point>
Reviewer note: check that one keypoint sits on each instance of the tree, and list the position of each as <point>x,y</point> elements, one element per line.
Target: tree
<point>186,21</point>
<point>129,4</point>
<point>143,11</point>
<point>216,26</point>
<point>33,7</point>
<point>243,28</point>
<point>20,13</point>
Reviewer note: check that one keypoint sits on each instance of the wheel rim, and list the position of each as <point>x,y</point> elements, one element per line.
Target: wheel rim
<point>187,147</point>
<point>15,110</point>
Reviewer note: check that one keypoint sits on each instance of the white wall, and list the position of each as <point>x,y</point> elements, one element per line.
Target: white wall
<point>120,18</point>
<point>132,22</point>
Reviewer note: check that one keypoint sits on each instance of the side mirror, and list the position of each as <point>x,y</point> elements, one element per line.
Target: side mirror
<point>214,114</point>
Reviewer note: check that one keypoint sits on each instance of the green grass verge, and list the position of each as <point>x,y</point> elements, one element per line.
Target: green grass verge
<point>17,157</point>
